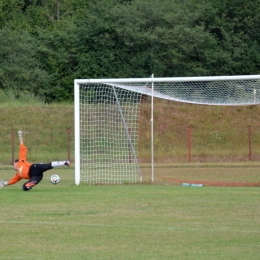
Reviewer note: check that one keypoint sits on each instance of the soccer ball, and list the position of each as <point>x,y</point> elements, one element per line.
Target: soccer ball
<point>55,179</point>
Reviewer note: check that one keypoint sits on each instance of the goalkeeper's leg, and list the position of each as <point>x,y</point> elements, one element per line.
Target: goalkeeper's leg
<point>39,168</point>
<point>32,182</point>
<point>60,163</point>
<point>36,172</point>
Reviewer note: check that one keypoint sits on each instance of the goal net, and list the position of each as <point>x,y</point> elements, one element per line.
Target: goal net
<point>107,118</point>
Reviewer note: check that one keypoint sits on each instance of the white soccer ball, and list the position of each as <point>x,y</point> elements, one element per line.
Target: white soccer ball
<point>55,179</point>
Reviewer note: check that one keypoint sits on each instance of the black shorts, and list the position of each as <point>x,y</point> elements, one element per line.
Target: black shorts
<point>36,174</point>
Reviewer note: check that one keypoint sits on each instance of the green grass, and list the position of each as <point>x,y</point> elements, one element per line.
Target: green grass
<point>218,134</point>
<point>44,130</point>
<point>159,220</point>
<point>141,221</point>
<point>220,174</point>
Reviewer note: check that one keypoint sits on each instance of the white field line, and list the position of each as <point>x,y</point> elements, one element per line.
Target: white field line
<point>223,229</point>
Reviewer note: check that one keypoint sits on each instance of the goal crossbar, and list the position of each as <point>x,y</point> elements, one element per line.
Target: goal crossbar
<point>170,79</point>
<point>214,90</point>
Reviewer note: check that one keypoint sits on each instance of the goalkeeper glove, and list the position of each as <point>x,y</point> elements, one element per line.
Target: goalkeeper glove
<point>20,133</point>
<point>3,183</point>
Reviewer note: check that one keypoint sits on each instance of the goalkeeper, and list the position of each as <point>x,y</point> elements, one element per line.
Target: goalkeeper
<point>26,170</point>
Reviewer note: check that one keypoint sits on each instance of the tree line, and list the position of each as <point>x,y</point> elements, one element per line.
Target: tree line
<point>46,44</point>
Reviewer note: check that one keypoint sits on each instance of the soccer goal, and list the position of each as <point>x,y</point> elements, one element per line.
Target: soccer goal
<point>107,118</point>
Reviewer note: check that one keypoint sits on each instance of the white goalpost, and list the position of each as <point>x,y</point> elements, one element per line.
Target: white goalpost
<point>107,118</point>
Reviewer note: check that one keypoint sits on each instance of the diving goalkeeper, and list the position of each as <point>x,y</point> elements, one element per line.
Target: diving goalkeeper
<point>26,170</point>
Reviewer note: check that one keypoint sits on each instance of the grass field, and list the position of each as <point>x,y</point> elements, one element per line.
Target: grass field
<point>139,221</point>
<point>160,220</point>
<point>210,174</point>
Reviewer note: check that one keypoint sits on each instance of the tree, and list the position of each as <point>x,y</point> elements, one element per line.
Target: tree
<point>236,26</point>
<point>20,70</point>
<point>60,40</point>
<point>57,54</point>
<point>137,38</point>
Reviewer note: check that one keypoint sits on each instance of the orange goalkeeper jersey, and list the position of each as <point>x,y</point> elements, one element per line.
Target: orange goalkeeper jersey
<point>23,166</point>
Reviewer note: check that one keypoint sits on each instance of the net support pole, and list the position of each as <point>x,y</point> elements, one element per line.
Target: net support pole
<point>77,132</point>
<point>152,144</point>
<point>128,135</point>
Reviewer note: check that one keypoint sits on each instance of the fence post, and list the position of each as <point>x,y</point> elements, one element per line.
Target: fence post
<point>130,150</point>
<point>12,146</point>
<point>68,132</point>
<point>189,143</point>
<point>249,144</point>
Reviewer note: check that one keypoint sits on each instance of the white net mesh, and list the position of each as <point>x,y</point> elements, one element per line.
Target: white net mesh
<point>109,117</point>
<point>107,122</point>
<point>219,92</point>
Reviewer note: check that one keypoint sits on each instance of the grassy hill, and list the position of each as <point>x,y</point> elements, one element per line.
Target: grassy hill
<point>217,133</point>
<point>214,133</point>
<point>44,128</point>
